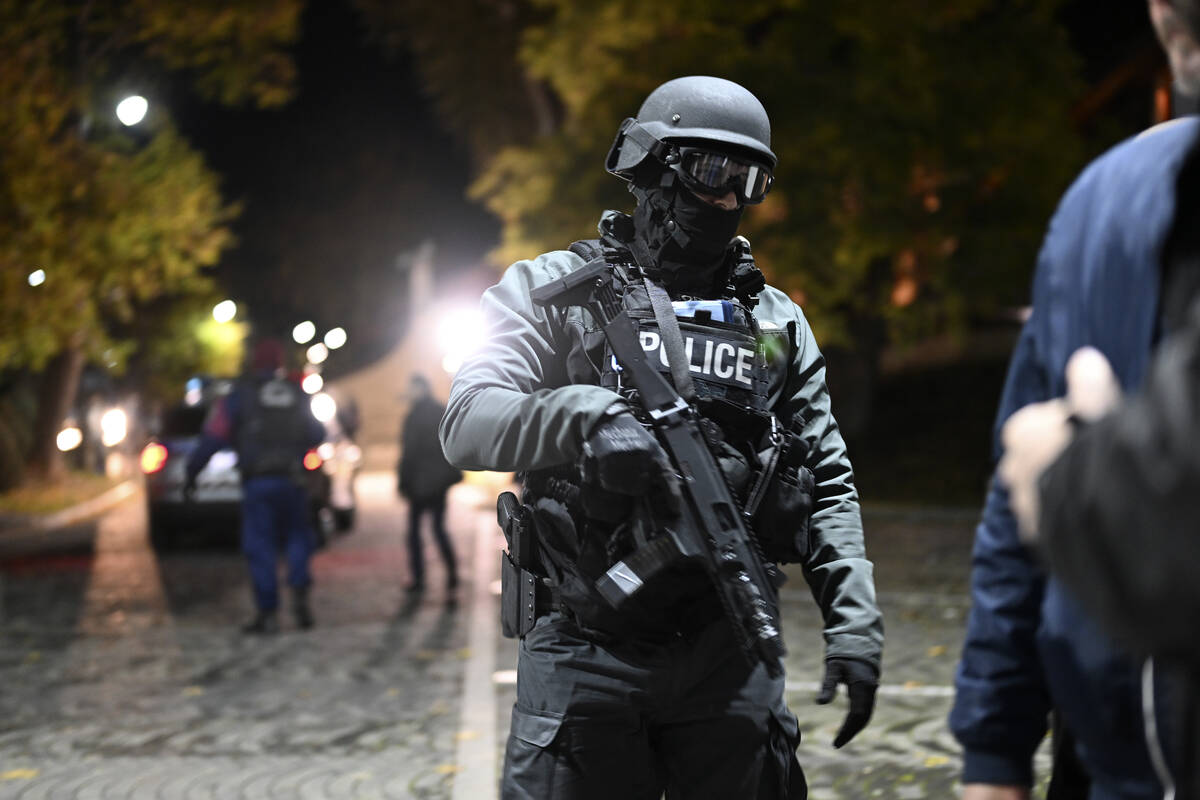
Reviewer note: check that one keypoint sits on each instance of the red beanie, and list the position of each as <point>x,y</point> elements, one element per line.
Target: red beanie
<point>268,354</point>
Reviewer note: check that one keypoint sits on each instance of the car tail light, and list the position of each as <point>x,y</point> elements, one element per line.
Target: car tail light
<point>154,458</point>
<point>312,460</point>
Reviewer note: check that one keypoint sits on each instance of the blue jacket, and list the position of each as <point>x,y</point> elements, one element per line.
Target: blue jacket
<point>1028,645</point>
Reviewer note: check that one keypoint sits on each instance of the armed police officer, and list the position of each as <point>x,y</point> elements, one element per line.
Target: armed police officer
<point>268,420</point>
<point>649,656</point>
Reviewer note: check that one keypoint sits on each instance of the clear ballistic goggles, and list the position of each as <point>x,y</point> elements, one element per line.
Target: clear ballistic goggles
<point>717,174</point>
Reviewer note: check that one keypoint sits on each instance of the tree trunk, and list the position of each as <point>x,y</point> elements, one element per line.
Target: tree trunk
<point>59,384</point>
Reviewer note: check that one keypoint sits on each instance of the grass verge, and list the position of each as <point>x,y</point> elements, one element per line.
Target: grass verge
<point>75,488</point>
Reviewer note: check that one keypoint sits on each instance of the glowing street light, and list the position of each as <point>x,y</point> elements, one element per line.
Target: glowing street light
<point>324,407</point>
<point>304,332</point>
<point>225,311</point>
<point>312,383</point>
<point>37,277</point>
<point>114,426</point>
<point>335,338</point>
<point>132,110</point>
<point>317,353</point>
<point>461,333</point>
<point>69,438</point>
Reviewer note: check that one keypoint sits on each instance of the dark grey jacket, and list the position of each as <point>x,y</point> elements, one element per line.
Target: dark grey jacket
<point>528,399</point>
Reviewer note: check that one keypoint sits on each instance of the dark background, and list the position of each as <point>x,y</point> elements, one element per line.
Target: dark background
<point>340,186</point>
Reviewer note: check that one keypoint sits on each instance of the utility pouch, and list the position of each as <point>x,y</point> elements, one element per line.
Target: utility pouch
<point>518,583</point>
<point>782,517</point>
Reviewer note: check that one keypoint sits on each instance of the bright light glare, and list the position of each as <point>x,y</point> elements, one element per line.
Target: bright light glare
<point>132,109</point>
<point>154,457</point>
<point>69,439</point>
<point>37,277</point>
<point>324,407</point>
<point>460,333</point>
<point>303,333</point>
<point>335,338</point>
<point>317,353</point>
<point>114,425</point>
<point>326,451</point>
<point>225,311</point>
<point>312,383</point>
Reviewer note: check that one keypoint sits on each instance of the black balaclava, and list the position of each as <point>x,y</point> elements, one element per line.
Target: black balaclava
<point>685,238</point>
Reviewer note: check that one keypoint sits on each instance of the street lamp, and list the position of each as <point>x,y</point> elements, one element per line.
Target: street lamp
<point>224,311</point>
<point>317,353</point>
<point>132,110</point>
<point>69,437</point>
<point>335,338</point>
<point>461,333</point>
<point>304,332</point>
<point>324,407</point>
<point>312,383</point>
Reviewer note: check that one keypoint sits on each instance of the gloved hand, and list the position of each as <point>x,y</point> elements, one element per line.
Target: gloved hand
<point>861,681</point>
<point>622,457</point>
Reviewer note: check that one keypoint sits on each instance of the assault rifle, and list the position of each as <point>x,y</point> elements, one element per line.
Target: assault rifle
<point>709,528</point>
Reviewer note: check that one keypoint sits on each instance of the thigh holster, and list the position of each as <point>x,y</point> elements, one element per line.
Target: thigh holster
<point>524,594</point>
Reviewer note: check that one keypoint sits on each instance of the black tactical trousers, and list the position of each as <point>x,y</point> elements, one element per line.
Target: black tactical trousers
<point>688,718</point>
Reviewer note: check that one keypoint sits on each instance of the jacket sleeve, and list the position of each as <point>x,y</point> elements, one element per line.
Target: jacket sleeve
<point>1001,703</point>
<point>511,405</point>
<point>217,433</point>
<point>837,570</point>
<point>1119,510</point>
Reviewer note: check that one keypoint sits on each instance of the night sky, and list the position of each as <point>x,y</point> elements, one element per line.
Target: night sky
<point>356,171</point>
<point>336,186</point>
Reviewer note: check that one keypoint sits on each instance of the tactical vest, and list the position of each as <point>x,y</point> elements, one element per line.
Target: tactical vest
<point>271,432</point>
<point>728,367</point>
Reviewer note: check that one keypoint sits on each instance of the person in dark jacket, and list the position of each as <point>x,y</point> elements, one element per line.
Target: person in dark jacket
<point>1114,504</point>
<point>268,420</point>
<point>654,696</point>
<point>1116,517</point>
<point>1104,280</point>
<point>424,479</point>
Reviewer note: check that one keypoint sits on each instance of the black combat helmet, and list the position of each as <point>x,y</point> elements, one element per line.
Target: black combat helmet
<point>712,132</point>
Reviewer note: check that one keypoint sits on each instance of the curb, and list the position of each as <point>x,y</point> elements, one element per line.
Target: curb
<point>32,523</point>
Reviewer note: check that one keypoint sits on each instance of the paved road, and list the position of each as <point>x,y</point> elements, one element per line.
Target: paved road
<point>124,677</point>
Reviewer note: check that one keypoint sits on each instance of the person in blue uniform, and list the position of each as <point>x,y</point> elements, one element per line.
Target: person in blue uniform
<point>268,420</point>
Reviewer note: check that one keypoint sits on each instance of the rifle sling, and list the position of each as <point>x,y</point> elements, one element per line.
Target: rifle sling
<point>672,341</point>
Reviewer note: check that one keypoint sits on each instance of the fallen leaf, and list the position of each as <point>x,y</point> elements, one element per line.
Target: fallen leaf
<point>18,775</point>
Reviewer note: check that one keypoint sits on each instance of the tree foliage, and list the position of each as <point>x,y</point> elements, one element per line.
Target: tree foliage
<point>921,144</point>
<point>181,340</point>
<point>467,54</point>
<point>115,218</point>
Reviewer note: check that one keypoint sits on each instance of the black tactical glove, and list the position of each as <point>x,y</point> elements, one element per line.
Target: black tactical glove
<point>621,457</point>
<point>861,681</point>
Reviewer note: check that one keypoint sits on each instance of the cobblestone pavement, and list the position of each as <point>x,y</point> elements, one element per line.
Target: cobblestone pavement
<point>124,677</point>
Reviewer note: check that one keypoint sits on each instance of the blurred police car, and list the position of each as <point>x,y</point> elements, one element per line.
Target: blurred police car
<point>215,507</point>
